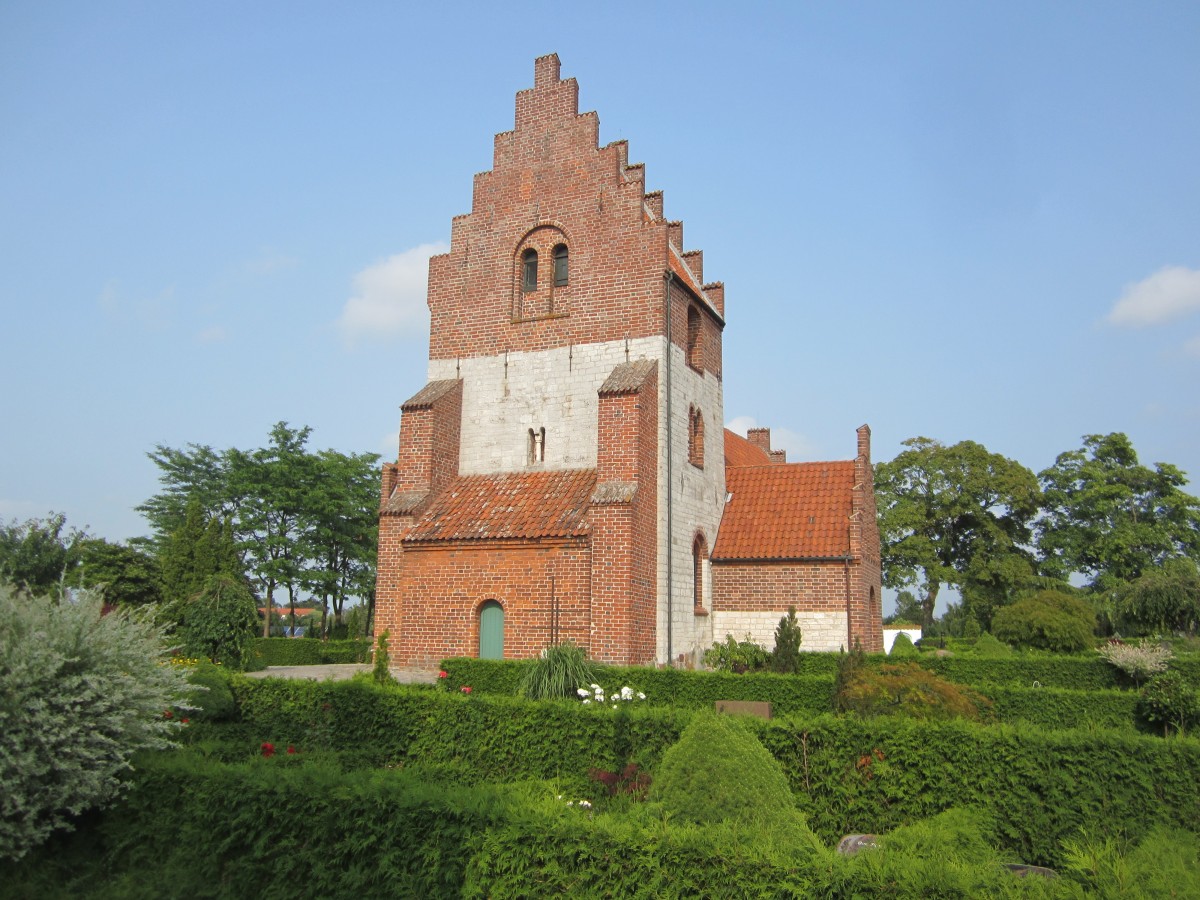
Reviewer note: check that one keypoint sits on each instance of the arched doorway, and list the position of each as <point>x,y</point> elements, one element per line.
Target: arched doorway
<point>491,631</point>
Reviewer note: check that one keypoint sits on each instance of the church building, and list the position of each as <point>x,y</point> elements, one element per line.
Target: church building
<point>564,473</point>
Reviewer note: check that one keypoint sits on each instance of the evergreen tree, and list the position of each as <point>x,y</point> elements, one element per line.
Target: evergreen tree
<point>786,656</point>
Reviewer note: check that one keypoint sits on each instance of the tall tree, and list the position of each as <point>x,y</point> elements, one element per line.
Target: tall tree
<point>1112,519</point>
<point>341,531</point>
<point>127,576</point>
<point>39,555</point>
<point>302,520</point>
<point>956,515</point>
<point>196,551</point>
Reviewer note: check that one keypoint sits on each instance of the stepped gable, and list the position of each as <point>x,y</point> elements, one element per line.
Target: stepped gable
<point>513,506</point>
<point>793,511</point>
<point>551,184</point>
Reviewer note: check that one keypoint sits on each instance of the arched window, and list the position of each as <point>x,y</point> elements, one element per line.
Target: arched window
<point>693,338</point>
<point>696,437</point>
<point>560,265</point>
<point>699,555</point>
<point>529,271</point>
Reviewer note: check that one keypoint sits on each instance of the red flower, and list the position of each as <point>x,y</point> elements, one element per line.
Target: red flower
<point>185,721</point>
<point>443,674</point>
<point>167,714</point>
<point>291,750</point>
<point>466,689</point>
<point>268,749</point>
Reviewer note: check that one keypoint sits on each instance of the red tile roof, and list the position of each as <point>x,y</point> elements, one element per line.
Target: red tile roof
<point>509,506</point>
<point>740,452</point>
<point>786,511</point>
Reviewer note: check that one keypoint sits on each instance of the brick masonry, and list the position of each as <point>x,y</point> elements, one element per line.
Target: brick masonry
<point>598,362</point>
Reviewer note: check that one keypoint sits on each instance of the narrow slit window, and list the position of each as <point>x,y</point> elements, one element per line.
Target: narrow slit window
<point>529,271</point>
<point>560,265</point>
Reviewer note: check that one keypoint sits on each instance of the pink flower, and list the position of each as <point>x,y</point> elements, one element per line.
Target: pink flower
<point>268,749</point>
<point>466,689</point>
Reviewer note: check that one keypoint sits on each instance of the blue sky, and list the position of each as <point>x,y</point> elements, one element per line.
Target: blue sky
<point>962,221</point>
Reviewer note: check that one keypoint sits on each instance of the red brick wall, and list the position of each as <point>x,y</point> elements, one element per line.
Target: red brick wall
<point>625,529</point>
<point>768,587</point>
<point>440,591</point>
<point>866,614</point>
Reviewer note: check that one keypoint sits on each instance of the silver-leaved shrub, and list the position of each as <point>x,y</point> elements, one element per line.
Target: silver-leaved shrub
<point>1138,661</point>
<point>80,693</point>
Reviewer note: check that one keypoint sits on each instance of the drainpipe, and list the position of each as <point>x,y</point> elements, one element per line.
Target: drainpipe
<point>670,276</point>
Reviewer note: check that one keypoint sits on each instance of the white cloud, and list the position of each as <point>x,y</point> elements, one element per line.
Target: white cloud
<point>151,313</point>
<point>389,298</point>
<point>1170,293</point>
<point>213,335</point>
<point>798,446</point>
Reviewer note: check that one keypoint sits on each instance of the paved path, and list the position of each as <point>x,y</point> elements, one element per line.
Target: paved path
<point>341,672</point>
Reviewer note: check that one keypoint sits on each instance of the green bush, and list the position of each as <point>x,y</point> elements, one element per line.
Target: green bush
<point>785,658</point>
<point>558,674</point>
<point>214,701</point>
<point>80,694</point>
<point>719,772</point>
<point>736,656</point>
<point>903,646</point>
<point>218,622</point>
<point>988,647</point>
<point>1047,620</point>
<point>1171,702</point>
<point>905,689</point>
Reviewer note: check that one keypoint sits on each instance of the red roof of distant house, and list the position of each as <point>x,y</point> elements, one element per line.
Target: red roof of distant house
<point>786,511</point>
<point>740,452</point>
<point>509,506</point>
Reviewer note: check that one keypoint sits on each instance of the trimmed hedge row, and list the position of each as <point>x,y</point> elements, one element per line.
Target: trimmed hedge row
<point>274,828</point>
<point>308,652</point>
<point>1076,673</point>
<point>1041,786</point>
<point>807,695</point>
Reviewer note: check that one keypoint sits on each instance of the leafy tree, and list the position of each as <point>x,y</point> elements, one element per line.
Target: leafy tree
<point>39,555</point>
<point>1047,620</point>
<point>341,531</point>
<point>192,554</point>
<point>908,610</point>
<point>1110,518</point>
<point>80,693</point>
<point>301,520</point>
<point>127,575</point>
<point>218,621</point>
<point>956,515</point>
<point>1162,600</point>
<point>785,658</point>
<point>902,645</point>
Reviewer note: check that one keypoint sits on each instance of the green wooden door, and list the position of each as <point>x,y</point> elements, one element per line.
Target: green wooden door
<point>491,631</point>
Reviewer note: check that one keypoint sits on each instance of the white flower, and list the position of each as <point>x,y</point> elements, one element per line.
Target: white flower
<point>585,804</point>
<point>587,701</point>
<point>614,706</point>
<point>582,692</point>
<point>570,803</point>
<point>596,687</point>
<point>641,696</point>
<point>627,693</point>
<point>560,796</point>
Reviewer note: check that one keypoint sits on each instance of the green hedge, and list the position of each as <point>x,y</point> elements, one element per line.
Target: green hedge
<point>1042,786</point>
<point>809,694</point>
<point>308,652</point>
<point>689,688</point>
<point>282,828</point>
